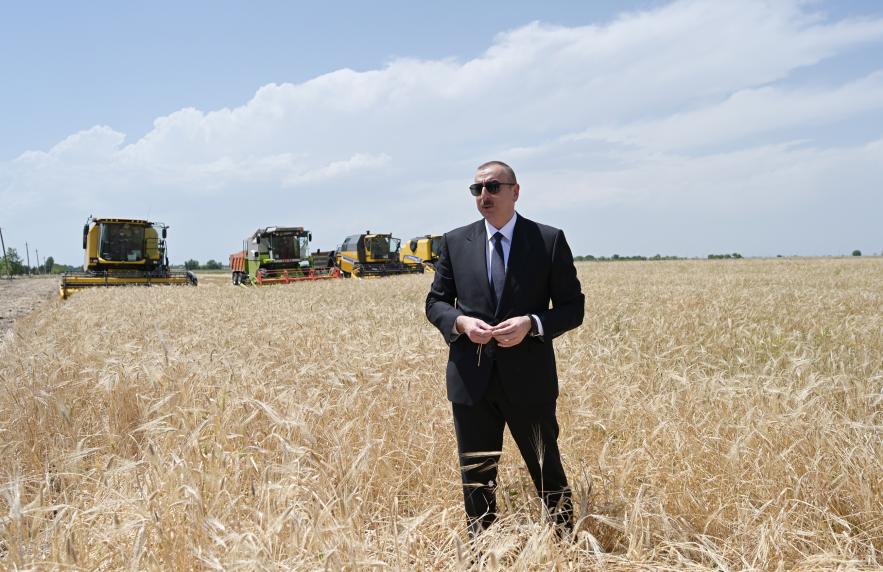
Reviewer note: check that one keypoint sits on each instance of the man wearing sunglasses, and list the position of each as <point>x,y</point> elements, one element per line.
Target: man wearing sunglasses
<point>494,283</point>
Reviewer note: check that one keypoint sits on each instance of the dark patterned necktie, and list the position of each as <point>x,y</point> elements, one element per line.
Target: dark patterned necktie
<point>498,269</point>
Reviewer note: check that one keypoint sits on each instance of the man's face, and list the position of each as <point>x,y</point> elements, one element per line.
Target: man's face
<point>496,209</point>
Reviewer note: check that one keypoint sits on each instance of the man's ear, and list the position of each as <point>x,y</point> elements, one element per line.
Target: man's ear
<point>517,188</point>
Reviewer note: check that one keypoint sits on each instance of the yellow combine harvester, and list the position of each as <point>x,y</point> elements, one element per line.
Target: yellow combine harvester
<point>372,255</point>
<point>422,250</point>
<point>123,252</point>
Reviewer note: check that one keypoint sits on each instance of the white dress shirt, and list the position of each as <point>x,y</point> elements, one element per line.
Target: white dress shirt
<point>506,231</point>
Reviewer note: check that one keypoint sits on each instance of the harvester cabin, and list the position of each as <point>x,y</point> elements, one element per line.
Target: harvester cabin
<point>121,242</point>
<point>282,244</point>
<point>372,247</point>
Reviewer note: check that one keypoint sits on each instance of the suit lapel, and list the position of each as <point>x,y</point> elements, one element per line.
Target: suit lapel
<point>519,254</point>
<point>477,250</point>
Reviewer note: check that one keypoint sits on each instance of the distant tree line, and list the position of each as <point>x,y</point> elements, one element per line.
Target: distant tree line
<point>209,265</point>
<point>13,264</point>
<point>617,257</point>
<point>590,258</point>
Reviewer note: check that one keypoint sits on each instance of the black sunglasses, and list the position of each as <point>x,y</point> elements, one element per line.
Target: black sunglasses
<point>493,187</point>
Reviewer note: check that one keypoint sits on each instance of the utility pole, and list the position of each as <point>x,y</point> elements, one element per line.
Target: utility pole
<point>28,255</point>
<point>38,261</point>
<point>5,260</point>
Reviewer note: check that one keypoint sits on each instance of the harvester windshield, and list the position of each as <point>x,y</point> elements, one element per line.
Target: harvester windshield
<point>381,246</point>
<point>436,246</point>
<point>289,246</point>
<point>121,242</point>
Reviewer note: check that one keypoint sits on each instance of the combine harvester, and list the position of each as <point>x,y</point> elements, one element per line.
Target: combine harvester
<point>422,250</point>
<point>124,252</point>
<point>373,255</point>
<point>280,255</point>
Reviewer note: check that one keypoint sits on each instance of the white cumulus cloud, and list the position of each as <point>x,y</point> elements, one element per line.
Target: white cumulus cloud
<point>688,108</point>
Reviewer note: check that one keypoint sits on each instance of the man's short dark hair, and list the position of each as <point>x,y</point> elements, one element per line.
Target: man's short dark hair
<point>500,164</point>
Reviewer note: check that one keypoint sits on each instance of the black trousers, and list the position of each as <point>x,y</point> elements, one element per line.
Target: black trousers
<point>534,429</point>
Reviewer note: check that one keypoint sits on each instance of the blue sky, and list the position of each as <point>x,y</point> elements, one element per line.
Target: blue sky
<point>639,127</point>
<point>69,66</point>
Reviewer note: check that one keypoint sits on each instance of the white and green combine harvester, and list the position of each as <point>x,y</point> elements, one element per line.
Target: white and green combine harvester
<point>280,255</point>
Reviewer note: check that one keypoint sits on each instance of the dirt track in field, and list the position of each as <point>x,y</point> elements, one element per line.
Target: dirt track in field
<point>21,296</point>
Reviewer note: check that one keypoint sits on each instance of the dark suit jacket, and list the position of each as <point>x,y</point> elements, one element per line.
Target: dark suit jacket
<point>540,271</point>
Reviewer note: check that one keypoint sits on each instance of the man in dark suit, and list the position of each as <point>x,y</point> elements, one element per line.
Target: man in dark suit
<point>490,299</point>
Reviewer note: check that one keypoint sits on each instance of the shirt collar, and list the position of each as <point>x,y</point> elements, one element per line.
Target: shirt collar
<point>506,230</point>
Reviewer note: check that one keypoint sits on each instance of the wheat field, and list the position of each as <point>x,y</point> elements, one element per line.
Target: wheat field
<point>715,415</point>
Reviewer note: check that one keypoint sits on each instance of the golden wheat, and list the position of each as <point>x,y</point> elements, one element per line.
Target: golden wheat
<point>715,415</point>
